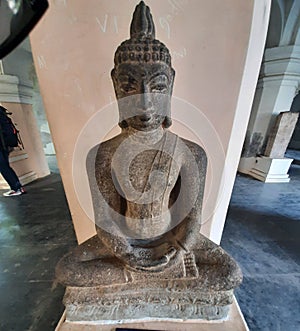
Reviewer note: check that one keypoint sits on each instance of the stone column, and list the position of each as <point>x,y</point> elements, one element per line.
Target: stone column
<point>29,163</point>
<point>281,135</point>
<point>16,94</point>
<point>277,85</point>
<point>273,167</point>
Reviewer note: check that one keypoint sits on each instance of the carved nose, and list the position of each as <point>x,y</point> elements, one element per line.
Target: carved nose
<point>145,101</point>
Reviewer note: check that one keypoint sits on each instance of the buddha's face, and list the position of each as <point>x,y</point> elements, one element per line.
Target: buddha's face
<point>143,91</point>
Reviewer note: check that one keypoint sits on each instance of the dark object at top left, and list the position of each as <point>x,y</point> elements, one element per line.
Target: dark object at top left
<point>17,19</point>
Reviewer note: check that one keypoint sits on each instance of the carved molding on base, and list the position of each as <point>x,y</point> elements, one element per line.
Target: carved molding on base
<point>24,179</point>
<point>141,311</point>
<point>266,169</point>
<point>235,321</point>
<point>96,303</point>
<point>271,170</point>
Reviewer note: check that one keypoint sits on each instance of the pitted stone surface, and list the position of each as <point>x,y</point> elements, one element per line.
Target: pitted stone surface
<point>281,134</point>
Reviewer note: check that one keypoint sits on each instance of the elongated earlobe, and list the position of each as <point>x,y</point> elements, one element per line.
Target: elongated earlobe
<point>123,124</point>
<point>167,122</point>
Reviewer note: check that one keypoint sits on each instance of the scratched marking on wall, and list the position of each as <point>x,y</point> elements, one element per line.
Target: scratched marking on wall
<point>177,8</point>
<point>61,2</point>
<point>178,5</point>
<point>108,23</point>
<point>178,54</point>
<point>77,84</point>
<point>41,61</point>
<point>73,19</point>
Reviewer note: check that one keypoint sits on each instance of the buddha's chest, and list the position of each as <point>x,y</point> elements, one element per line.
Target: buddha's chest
<point>150,174</point>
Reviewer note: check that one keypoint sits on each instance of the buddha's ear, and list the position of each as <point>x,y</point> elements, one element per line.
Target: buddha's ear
<point>172,76</point>
<point>113,75</point>
<point>123,124</point>
<point>167,122</point>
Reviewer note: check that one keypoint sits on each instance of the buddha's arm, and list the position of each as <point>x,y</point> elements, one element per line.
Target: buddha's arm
<point>107,203</point>
<point>187,210</point>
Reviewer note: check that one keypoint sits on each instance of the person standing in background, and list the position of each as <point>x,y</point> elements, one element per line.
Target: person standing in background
<point>5,169</point>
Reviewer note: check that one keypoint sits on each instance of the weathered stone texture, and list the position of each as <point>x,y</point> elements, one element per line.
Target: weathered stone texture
<point>148,258</point>
<point>281,134</point>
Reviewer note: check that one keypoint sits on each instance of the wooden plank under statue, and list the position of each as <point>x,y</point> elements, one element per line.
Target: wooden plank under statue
<point>148,261</point>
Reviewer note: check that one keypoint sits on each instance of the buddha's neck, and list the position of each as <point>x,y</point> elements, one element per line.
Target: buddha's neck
<point>145,137</point>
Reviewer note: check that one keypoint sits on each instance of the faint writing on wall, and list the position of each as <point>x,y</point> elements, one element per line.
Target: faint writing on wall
<point>178,54</point>
<point>61,2</point>
<point>41,61</point>
<point>108,23</point>
<point>176,8</point>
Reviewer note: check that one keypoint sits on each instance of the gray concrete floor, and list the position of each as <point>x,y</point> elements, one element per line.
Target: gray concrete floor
<point>261,232</point>
<point>35,231</point>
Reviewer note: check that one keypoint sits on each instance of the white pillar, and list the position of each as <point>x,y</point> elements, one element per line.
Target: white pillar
<point>29,163</point>
<point>277,85</point>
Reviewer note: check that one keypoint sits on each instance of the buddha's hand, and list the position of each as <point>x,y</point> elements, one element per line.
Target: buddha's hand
<point>152,258</point>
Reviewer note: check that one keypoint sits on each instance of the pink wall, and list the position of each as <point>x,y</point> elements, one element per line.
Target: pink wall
<point>73,49</point>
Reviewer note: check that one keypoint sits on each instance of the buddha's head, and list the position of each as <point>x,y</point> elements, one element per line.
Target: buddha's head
<point>143,76</point>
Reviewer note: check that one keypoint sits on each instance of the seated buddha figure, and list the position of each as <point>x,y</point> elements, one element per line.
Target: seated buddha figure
<point>147,187</point>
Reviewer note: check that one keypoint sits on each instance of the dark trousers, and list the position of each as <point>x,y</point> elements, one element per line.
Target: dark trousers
<point>7,172</point>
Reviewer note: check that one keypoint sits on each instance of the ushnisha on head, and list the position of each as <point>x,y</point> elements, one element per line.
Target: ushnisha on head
<point>143,76</point>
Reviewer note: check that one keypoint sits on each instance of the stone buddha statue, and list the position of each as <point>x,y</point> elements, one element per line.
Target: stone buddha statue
<point>148,258</point>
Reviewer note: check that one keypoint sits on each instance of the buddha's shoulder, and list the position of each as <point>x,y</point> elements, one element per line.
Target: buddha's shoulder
<point>103,151</point>
<point>110,145</point>
<point>192,147</point>
<point>107,146</point>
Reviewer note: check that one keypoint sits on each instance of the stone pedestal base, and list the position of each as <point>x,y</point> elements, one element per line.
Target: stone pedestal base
<point>246,164</point>
<point>24,180</point>
<point>195,285</point>
<point>270,170</point>
<point>175,299</point>
<point>234,322</point>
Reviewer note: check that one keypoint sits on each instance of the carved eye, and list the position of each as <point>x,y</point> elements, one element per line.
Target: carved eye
<point>159,88</point>
<point>127,88</point>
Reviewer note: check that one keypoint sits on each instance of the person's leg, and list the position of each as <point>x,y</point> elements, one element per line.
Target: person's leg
<point>8,173</point>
